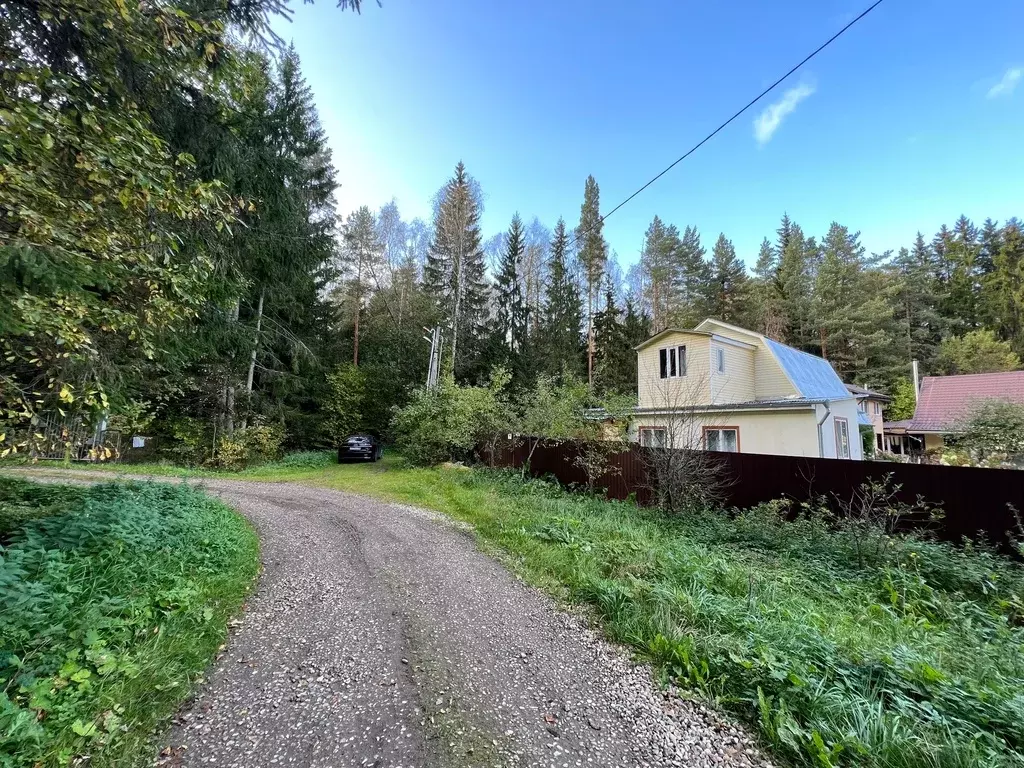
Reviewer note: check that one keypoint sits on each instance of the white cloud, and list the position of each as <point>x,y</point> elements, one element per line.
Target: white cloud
<point>769,121</point>
<point>1006,86</point>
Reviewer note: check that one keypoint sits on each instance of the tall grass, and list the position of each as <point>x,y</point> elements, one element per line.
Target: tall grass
<point>113,600</point>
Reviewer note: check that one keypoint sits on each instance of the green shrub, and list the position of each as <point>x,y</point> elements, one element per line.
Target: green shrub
<point>109,611</point>
<point>247,447</point>
<point>303,460</point>
<point>446,423</point>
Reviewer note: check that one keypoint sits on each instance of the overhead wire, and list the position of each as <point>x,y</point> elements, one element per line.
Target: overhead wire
<point>720,128</point>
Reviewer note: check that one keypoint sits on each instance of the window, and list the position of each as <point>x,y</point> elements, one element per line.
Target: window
<point>842,438</point>
<point>672,362</point>
<point>726,439</point>
<point>876,407</point>
<point>720,359</point>
<point>653,437</point>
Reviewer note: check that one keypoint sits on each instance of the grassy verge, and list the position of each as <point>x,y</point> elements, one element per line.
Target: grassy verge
<point>113,600</point>
<point>912,657</point>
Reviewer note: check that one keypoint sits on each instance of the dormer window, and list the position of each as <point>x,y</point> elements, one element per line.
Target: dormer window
<point>672,362</point>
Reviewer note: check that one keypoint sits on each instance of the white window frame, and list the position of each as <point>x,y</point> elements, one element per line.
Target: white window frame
<point>672,362</point>
<point>708,430</point>
<point>843,449</point>
<point>645,434</point>
<point>876,407</point>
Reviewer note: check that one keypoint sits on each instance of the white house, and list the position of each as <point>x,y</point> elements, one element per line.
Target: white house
<point>724,388</point>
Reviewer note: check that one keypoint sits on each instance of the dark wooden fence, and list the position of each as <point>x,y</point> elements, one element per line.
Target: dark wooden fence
<point>972,500</point>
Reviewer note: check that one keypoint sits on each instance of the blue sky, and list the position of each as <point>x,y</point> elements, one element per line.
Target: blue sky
<point>914,116</point>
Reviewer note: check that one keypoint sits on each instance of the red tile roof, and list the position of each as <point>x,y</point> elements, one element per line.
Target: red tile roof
<point>944,400</point>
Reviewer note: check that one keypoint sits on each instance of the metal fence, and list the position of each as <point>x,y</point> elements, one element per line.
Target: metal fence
<point>68,439</point>
<point>973,500</point>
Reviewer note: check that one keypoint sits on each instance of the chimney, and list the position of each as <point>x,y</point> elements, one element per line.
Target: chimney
<point>917,381</point>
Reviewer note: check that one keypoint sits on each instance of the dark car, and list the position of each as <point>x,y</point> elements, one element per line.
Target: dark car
<point>362,447</point>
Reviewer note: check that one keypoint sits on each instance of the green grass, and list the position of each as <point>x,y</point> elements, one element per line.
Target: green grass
<point>113,600</point>
<point>914,659</point>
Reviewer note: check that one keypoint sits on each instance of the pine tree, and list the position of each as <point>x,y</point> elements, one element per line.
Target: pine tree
<point>766,314</point>
<point>559,342</point>
<point>961,251</point>
<point>794,286</point>
<point>361,252</point>
<point>510,322</point>
<point>853,319</point>
<point>729,288</point>
<point>657,260</point>
<point>455,274</point>
<point>1003,287</point>
<point>916,304</point>
<point>593,254</point>
<point>691,277</point>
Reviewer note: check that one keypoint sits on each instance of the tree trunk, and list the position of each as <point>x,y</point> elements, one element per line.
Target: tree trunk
<point>229,387</point>
<point>252,360</point>
<point>590,335</point>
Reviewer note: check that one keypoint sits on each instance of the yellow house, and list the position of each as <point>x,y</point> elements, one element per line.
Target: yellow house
<point>724,388</point>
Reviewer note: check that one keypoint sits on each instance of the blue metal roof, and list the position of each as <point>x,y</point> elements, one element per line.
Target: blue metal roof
<point>864,419</point>
<point>813,376</point>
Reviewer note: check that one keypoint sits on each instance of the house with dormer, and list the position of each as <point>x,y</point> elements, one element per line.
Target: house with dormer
<point>724,388</point>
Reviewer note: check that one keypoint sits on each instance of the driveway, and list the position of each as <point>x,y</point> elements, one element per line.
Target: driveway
<point>379,635</point>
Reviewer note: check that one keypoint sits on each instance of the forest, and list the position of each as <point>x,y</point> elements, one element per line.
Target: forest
<point>172,260</point>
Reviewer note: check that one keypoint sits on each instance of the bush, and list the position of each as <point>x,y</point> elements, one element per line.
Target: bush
<point>246,447</point>
<point>447,422</point>
<point>110,608</point>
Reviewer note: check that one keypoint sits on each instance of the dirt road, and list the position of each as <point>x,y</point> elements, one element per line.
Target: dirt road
<point>379,635</point>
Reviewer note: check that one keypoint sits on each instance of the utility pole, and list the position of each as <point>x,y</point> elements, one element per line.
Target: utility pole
<point>434,366</point>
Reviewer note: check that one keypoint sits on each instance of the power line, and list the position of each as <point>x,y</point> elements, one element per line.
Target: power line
<point>752,102</point>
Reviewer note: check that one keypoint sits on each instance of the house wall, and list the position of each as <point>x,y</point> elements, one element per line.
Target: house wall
<point>846,409</point>
<point>780,432</point>
<point>736,383</point>
<point>692,389</point>
<point>933,442</point>
<point>770,380</point>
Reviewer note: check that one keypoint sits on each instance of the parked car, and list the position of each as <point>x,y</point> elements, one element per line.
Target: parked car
<point>362,447</point>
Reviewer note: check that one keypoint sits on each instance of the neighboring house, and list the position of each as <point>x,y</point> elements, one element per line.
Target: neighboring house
<point>871,406</point>
<point>725,388</point>
<point>942,403</point>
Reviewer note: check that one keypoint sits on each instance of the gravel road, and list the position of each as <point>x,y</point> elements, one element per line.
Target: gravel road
<point>379,635</point>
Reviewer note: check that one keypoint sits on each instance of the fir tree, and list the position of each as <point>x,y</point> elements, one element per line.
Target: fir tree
<point>559,341</point>
<point>614,360</point>
<point>691,277</point>
<point>593,254</point>
<point>794,286</point>
<point>511,322</point>
<point>455,274</point>
<point>766,313</point>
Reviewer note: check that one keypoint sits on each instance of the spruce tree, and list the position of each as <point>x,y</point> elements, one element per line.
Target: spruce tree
<point>692,277</point>
<point>1003,287</point>
<point>728,288</point>
<point>593,254</point>
<point>510,322</point>
<point>559,342</point>
<point>455,274</point>
<point>614,360</point>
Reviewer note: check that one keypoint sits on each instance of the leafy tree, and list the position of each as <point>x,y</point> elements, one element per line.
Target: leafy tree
<point>343,403</point>
<point>904,401</point>
<point>593,254</point>
<point>977,352</point>
<point>992,432</point>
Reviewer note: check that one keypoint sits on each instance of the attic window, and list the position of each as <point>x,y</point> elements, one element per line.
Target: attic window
<point>672,362</point>
<point>720,359</point>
